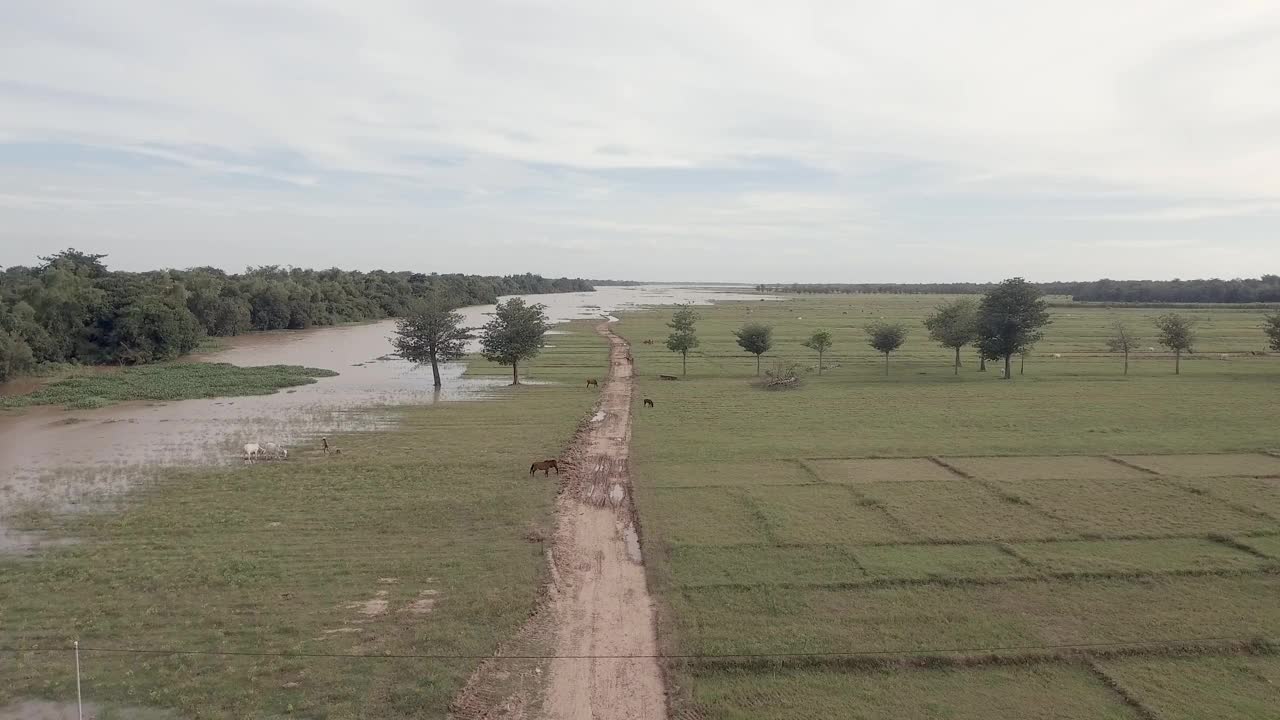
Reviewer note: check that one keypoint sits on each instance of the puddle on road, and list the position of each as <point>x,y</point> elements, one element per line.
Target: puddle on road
<point>632,540</point>
<point>62,460</point>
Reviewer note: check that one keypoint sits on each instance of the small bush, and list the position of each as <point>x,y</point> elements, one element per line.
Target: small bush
<point>783,375</point>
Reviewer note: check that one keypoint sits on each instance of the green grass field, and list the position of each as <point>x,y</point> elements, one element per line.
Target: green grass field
<point>412,542</point>
<point>1071,543</point>
<point>98,387</point>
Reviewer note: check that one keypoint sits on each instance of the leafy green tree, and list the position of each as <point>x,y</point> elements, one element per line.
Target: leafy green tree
<point>15,355</point>
<point>516,332</point>
<point>1271,326</point>
<point>1123,340</point>
<point>819,342</point>
<point>151,329</point>
<point>954,325</point>
<point>1177,333</point>
<point>1010,321</point>
<point>756,339</point>
<point>683,337</point>
<point>885,338</point>
<point>431,333</point>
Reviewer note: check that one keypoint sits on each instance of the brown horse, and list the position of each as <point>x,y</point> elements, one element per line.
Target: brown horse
<point>546,466</point>
<point>648,402</point>
<point>592,381</point>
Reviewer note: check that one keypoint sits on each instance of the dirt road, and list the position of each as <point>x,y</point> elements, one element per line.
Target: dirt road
<point>597,622</point>
<point>601,606</point>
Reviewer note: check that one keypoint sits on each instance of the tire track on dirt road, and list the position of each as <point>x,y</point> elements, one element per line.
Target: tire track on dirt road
<point>602,606</point>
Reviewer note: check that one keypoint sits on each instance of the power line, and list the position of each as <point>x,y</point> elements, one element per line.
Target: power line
<point>659,656</point>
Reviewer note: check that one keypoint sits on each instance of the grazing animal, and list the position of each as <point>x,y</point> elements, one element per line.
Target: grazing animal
<point>251,450</point>
<point>648,342</point>
<point>668,377</point>
<point>546,466</point>
<point>1057,356</point>
<point>648,402</point>
<point>592,381</point>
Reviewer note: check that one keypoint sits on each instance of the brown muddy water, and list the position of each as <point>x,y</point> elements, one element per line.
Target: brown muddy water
<point>62,460</point>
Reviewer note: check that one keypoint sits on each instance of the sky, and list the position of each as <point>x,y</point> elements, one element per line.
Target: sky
<point>753,141</point>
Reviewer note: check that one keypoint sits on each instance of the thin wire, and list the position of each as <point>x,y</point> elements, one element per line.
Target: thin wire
<point>689,656</point>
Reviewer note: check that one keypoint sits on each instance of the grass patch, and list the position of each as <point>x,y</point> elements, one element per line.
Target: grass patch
<point>314,555</point>
<point>961,511</point>
<point>173,381</point>
<point>763,564</point>
<point>1044,468</point>
<point>703,516</point>
<point>863,470</point>
<point>780,472</point>
<point>939,561</point>
<point>1260,494</point>
<point>822,514</point>
<point>1043,692</point>
<point>1236,687</point>
<point>1209,465</point>
<point>1125,556</point>
<point>1134,507</point>
<point>1268,545</point>
<point>946,616</point>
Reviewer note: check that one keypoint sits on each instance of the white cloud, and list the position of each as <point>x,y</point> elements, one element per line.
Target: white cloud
<point>421,122</point>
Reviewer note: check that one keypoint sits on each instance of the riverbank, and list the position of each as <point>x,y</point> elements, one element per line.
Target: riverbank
<point>424,540</point>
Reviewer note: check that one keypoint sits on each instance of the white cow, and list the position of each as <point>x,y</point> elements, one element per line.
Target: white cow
<point>274,451</point>
<point>1057,356</point>
<point>251,451</point>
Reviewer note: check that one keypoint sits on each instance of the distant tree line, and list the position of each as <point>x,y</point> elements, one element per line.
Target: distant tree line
<point>72,309</point>
<point>1265,289</point>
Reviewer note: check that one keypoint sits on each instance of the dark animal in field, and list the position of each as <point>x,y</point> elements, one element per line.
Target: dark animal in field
<point>592,381</point>
<point>648,342</point>
<point>546,466</point>
<point>648,402</point>
<point>667,377</point>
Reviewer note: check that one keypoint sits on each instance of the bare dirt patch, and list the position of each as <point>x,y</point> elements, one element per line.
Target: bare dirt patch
<point>45,710</point>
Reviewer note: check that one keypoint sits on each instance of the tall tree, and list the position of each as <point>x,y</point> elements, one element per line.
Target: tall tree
<point>954,325</point>
<point>1176,333</point>
<point>683,338</point>
<point>820,342</point>
<point>755,339</point>
<point>1271,326</point>
<point>885,338</point>
<point>431,333</point>
<point>1123,340</point>
<point>1010,318</point>
<point>517,332</point>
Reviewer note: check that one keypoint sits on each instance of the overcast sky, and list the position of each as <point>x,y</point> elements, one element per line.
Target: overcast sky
<point>738,141</point>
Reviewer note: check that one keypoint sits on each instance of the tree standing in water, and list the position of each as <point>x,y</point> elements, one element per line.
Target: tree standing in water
<point>516,332</point>
<point>431,333</point>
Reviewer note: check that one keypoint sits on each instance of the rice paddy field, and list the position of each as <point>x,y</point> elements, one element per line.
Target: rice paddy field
<point>1070,544</point>
<point>245,591</point>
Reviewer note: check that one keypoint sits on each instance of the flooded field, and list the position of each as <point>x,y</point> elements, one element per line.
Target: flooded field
<point>59,459</point>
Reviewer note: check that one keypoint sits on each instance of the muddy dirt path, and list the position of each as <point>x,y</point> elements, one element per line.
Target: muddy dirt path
<point>601,605</point>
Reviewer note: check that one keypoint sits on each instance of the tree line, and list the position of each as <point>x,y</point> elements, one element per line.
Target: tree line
<point>1007,321</point>
<point>70,308</point>
<point>1265,289</point>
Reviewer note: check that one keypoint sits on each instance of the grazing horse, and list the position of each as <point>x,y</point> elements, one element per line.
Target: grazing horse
<point>593,381</point>
<point>546,466</point>
<point>648,402</point>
